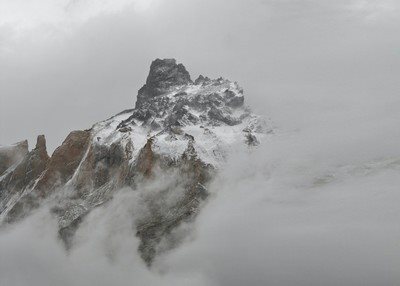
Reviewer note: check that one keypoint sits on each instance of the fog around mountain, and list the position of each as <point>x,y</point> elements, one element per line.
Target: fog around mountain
<point>315,204</point>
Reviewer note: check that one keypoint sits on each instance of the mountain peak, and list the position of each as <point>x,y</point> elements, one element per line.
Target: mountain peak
<point>177,127</point>
<point>170,98</point>
<point>166,73</point>
<point>163,74</point>
<point>41,142</point>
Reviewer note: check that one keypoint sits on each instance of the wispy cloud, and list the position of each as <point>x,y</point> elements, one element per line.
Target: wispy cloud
<point>374,10</point>
<point>30,14</point>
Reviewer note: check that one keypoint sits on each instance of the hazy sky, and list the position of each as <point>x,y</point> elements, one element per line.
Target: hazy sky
<point>67,64</point>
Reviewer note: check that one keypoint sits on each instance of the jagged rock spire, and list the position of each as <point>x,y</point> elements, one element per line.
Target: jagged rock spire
<point>41,143</point>
<point>171,98</point>
<point>164,73</point>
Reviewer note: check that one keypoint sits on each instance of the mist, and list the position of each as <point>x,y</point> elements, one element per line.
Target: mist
<point>317,203</point>
<point>313,206</point>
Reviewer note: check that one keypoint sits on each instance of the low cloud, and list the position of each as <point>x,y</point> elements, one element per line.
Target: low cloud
<point>314,205</point>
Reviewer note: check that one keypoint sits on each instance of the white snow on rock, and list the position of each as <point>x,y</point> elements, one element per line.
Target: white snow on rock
<point>211,112</point>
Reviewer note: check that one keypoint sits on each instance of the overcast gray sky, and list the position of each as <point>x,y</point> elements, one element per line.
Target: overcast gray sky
<point>67,64</point>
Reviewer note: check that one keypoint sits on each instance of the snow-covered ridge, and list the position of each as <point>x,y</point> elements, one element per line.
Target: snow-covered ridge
<point>209,112</point>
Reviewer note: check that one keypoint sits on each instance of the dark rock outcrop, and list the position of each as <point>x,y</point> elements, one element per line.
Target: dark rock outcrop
<point>63,162</point>
<point>201,79</point>
<point>24,175</point>
<point>163,75</point>
<point>192,176</point>
<point>170,98</point>
<point>49,173</point>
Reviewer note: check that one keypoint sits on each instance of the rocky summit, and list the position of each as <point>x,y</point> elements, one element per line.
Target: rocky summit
<point>177,127</point>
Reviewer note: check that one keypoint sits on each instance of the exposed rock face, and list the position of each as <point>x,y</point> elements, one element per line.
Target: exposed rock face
<point>201,79</point>
<point>163,75</point>
<point>63,162</point>
<point>177,127</point>
<point>10,155</point>
<point>54,172</point>
<point>23,175</point>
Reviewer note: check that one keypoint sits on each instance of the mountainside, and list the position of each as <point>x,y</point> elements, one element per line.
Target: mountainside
<point>178,127</point>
